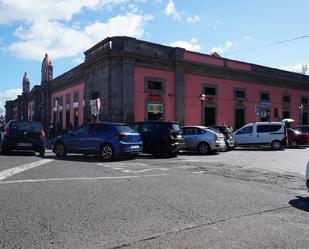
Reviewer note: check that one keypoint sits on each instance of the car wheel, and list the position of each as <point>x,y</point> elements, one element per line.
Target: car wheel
<point>225,148</point>
<point>275,145</point>
<point>204,148</point>
<point>59,150</point>
<point>107,152</point>
<point>42,152</point>
<point>293,144</point>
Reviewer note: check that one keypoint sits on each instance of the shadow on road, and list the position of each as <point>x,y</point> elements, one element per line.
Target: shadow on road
<point>18,153</point>
<point>301,203</point>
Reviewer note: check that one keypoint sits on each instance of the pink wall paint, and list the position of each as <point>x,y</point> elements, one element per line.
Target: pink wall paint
<point>190,56</point>
<point>225,100</point>
<point>77,88</point>
<point>238,65</point>
<point>168,98</point>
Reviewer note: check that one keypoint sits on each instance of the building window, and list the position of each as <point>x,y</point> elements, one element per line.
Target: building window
<point>239,93</point>
<point>304,100</point>
<point>67,99</point>
<point>76,96</point>
<point>210,91</point>
<point>154,111</point>
<point>286,98</point>
<point>276,112</point>
<point>285,114</point>
<point>264,96</point>
<point>154,85</point>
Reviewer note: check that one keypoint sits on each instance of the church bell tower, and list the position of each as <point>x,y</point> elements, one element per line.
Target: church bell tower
<point>26,84</point>
<point>46,70</point>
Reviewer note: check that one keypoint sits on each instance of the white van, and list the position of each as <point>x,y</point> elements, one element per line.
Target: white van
<point>271,134</point>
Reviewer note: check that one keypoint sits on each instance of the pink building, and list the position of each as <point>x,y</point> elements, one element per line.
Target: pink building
<point>124,79</point>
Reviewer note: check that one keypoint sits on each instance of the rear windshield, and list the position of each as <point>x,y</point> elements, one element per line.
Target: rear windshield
<point>174,127</point>
<point>26,126</point>
<point>124,129</point>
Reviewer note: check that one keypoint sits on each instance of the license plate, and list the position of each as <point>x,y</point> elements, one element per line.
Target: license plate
<point>134,146</point>
<point>24,144</point>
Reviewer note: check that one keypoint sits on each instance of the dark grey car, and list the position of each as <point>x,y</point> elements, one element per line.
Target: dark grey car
<point>23,135</point>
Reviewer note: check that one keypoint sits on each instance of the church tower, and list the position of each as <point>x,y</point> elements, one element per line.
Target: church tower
<point>26,84</point>
<point>46,70</point>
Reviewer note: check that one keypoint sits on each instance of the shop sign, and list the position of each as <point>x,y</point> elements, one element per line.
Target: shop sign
<point>152,96</point>
<point>265,104</point>
<point>75,105</point>
<point>96,102</point>
<point>155,108</point>
<point>94,110</point>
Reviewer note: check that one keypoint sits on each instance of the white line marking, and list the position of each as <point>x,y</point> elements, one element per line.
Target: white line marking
<point>123,166</point>
<point>199,172</point>
<point>82,178</point>
<point>143,170</point>
<point>13,171</point>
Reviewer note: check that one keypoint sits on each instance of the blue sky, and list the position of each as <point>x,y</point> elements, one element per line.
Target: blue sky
<point>66,28</point>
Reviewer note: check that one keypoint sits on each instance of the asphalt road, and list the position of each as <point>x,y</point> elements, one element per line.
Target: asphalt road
<point>238,199</point>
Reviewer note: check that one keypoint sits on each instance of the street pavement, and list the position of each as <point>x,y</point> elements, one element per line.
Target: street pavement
<point>238,199</point>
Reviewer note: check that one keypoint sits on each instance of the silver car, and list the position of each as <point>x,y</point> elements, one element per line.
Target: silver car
<point>203,140</point>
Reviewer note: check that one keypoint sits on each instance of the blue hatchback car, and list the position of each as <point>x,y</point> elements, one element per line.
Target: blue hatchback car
<point>110,140</point>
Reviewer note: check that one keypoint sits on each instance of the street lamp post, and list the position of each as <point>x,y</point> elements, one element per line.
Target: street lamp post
<point>202,99</point>
<point>301,111</point>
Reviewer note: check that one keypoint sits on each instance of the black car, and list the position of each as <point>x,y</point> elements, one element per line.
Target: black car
<point>302,128</point>
<point>23,135</point>
<point>160,138</point>
<point>228,135</point>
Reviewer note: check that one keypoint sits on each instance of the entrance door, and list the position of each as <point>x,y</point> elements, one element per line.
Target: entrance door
<point>239,118</point>
<point>210,116</point>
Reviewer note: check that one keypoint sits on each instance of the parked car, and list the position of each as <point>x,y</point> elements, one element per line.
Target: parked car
<point>307,176</point>
<point>160,138</point>
<point>302,128</point>
<point>228,135</point>
<point>203,140</point>
<point>296,138</point>
<point>24,136</point>
<point>110,140</point>
<point>271,134</point>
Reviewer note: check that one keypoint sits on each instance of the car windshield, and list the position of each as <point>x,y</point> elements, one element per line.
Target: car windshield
<point>26,126</point>
<point>124,129</point>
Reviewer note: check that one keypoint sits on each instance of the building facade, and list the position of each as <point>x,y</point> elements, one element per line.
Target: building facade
<point>33,104</point>
<point>124,79</point>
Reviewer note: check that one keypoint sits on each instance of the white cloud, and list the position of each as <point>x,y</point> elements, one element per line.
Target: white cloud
<point>9,94</point>
<point>221,49</point>
<point>194,19</point>
<point>61,41</point>
<point>188,45</point>
<point>170,10</point>
<point>298,68</point>
<point>37,10</point>
<point>246,37</point>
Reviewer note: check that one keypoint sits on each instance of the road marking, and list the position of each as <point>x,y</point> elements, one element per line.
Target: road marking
<point>82,178</point>
<point>16,170</point>
<point>125,170</point>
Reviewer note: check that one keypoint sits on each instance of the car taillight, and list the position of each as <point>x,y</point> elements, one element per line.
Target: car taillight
<point>42,135</point>
<point>121,137</point>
